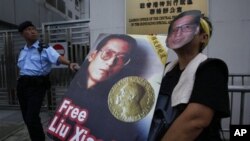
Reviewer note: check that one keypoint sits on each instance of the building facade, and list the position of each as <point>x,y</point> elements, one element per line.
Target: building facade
<point>13,12</point>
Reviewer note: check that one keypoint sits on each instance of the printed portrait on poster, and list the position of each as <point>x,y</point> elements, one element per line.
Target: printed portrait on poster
<point>113,95</point>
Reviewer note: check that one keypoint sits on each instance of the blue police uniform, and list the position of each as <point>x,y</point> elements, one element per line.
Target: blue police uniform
<point>31,62</point>
<point>34,68</point>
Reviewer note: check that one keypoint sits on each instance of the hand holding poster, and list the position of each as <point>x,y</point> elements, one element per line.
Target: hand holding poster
<point>112,97</point>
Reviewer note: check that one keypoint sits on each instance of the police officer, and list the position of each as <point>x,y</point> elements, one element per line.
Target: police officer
<point>34,62</point>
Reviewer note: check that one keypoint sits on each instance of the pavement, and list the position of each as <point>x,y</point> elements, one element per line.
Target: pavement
<point>12,127</point>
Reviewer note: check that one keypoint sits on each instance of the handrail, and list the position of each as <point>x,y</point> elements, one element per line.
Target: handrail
<point>239,75</point>
<point>242,76</point>
<point>243,90</point>
<point>238,88</point>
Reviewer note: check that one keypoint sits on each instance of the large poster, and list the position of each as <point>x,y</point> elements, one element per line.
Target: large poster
<point>113,95</point>
<point>153,16</point>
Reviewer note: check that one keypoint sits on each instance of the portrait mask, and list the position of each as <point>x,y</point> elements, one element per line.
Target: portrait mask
<point>183,29</point>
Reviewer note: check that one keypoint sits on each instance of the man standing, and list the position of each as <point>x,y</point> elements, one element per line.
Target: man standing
<point>193,96</point>
<point>34,65</point>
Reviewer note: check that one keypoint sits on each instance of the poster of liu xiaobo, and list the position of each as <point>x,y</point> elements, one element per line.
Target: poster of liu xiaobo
<point>113,95</point>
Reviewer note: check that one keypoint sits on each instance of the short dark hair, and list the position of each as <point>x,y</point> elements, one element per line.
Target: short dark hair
<point>24,25</point>
<point>209,24</point>
<point>130,40</point>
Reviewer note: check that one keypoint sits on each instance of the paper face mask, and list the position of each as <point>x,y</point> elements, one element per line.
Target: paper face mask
<point>183,29</point>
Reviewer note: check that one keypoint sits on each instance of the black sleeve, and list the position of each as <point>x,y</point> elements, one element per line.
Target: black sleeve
<point>211,87</point>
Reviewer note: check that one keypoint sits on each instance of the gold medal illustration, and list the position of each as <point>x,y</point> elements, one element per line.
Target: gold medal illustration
<point>131,99</point>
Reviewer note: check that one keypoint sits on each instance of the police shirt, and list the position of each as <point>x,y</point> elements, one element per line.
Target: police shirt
<point>34,63</point>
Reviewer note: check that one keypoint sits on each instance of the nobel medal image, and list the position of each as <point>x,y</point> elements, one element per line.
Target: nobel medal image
<point>131,99</point>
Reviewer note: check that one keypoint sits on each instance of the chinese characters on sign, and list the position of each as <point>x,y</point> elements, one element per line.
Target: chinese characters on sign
<point>154,16</point>
<point>169,6</point>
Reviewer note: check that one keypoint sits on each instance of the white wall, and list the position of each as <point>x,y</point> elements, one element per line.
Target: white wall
<point>17,11</point>
<point>106,16</point>
<point>231,20</point>
<point>231,40</point>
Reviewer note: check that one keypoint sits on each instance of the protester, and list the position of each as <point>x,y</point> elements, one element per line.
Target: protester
<point>193,96</point>
<point>34,62</point>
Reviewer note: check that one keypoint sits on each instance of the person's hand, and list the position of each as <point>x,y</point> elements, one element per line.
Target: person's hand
<point>74,67</point>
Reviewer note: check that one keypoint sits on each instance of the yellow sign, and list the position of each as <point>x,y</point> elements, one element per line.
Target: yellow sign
<point>154,16</point>
<point>158,47</point>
